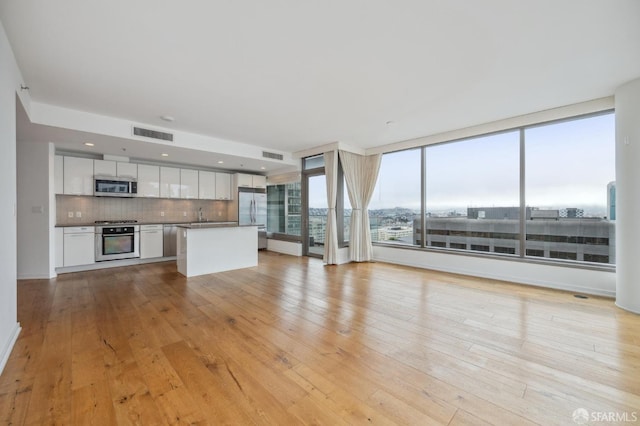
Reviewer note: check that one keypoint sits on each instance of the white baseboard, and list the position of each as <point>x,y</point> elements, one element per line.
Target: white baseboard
<point>285,247</point>
<point>112,264</point>
<point>6,351</point>
<point>601,283</point>
<point>34,276</point>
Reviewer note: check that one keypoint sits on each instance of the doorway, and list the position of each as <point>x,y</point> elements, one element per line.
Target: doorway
<point>315,214</point>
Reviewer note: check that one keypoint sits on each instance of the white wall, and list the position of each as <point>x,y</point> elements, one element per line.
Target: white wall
<point>56,116</point>
<point>284,247</point>
<point>559,113</point>
<point>10,80</point>
<point>566,278</point>
<point>33,181</point>
<point>627,200</point>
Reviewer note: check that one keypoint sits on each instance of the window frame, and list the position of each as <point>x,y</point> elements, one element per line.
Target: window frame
<point>522,256</point>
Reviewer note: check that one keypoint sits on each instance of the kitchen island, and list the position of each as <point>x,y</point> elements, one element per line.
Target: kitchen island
<point>206,248</point>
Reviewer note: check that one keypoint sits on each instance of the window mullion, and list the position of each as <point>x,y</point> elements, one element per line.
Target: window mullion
<point>523,209</point>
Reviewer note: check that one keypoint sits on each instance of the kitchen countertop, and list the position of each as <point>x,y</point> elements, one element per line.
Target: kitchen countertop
<point>197,224</point>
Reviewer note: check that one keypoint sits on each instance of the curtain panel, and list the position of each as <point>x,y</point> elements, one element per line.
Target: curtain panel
<point>361,174</point>
<point>331,232</point>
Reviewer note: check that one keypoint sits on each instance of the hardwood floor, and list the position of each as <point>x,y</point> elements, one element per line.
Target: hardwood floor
<point>295,342</point>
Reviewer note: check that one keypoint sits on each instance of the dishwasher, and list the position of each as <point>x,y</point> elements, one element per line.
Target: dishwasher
<point>170,233</point>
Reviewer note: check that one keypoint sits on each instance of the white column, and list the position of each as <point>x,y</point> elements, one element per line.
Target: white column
<point>628,196</point>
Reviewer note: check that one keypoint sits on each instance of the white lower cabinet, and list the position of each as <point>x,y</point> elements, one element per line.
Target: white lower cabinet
<point>79,245</point>
<point>151,241</point>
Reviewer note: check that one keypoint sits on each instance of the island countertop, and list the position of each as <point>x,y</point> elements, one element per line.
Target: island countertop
<point>199,225</point>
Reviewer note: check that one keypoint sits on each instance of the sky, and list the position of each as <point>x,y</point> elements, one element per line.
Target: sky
<point>568,164</point>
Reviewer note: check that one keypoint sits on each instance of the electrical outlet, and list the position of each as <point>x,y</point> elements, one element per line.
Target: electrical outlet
<point>78,214</point>
<point>70,214</point>
<point>162,214</point>
<point>219,214</point>
<point>184,214</point>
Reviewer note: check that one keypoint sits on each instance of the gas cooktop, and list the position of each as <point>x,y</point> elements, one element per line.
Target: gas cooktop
<point>114,222</point>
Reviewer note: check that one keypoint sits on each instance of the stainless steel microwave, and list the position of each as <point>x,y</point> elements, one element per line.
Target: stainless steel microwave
<point>110,186</point>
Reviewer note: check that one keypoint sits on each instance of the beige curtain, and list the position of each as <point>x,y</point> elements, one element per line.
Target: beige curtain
<point>361,173</point>
<point>331,233</point>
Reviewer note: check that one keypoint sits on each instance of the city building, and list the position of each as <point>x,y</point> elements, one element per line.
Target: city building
<point>284,208</point>
<point>548,233</point>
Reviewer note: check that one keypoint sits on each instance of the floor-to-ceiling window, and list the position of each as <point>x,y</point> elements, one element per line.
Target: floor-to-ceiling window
<point>473,194</point>
<point>315,207</point>
<point>284,209</point>
<point>395,207</point>
<point>569,165</point>
<point>316,213</point>
<point>535,192</point>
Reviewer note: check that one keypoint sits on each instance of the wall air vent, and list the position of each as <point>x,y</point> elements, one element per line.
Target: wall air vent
<point>272,155</point>
<point>153,134</point>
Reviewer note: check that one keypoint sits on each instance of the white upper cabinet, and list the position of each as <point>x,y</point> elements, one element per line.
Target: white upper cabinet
<point>188,183</point>
<point>207,185</point>
<point>127,170</point>
<point>148,180</point>
<point>259,181</point>
<point>244,180</point>
<point>74,175</point>
<point>214,186</point>
<point>58,174</point>
<point>115,169</point>
<point>169,182</point>
<point>223,186</point>
<point>104,168</point>
<point>78,176</point>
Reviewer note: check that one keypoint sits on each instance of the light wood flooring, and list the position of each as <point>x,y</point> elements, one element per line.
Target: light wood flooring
<point>295,342</point>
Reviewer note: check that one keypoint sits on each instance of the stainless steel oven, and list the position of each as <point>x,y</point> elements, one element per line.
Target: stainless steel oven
<point>117,242</point>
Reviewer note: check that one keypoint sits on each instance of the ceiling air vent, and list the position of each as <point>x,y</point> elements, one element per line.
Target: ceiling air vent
<point>272,155</point>
<point>153,134</point>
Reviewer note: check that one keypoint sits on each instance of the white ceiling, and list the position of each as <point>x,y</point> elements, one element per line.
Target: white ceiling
<point>290,75</point>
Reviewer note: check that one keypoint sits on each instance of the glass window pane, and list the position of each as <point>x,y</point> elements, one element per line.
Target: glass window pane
<point>394,210</point>
<point>318,209</point>
<point>314,162</point>
<point>294,209</point>
<point>276,208</point>
<point>473,194</point>
<point>284,208</point>
<point>570,169</point>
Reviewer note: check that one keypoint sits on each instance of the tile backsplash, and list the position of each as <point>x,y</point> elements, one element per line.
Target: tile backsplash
<point>140,209</point>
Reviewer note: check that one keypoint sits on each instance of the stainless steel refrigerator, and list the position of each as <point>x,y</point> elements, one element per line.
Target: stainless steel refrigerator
<point>252,210</point>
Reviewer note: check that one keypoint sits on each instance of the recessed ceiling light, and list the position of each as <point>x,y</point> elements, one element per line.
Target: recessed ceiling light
<point>89,144</point>
<point>168,118</point>
<point>220,162</point>
<point>263,168</point>
<point>390,123</point>
<point>164,154</point>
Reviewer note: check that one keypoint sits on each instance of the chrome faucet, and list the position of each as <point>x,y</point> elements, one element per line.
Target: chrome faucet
<point>200,214</point>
